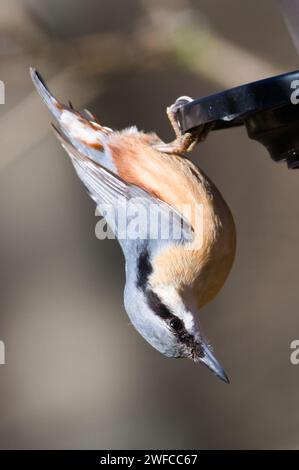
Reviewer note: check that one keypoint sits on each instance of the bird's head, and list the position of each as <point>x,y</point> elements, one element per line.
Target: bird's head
<point>162,318</point>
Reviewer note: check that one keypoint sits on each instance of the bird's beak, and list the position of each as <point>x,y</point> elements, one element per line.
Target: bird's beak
<point>208,358</point>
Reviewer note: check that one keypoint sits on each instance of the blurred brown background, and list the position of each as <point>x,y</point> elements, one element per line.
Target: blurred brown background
<point>77,374</point>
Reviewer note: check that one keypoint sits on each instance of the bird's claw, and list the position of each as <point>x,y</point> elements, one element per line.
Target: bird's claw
<point>183,142</point>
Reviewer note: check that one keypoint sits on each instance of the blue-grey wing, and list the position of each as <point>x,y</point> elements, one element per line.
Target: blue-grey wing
<point>135,216</point>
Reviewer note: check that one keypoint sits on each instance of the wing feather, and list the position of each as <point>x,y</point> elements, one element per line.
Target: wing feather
<point>108,188</point>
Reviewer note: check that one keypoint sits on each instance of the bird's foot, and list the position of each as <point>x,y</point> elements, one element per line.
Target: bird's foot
<point>183,142</point>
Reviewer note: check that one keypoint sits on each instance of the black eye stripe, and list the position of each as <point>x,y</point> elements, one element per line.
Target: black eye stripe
<point>176,324</point>
<point>160,309</point>
<point>144,269</point>
<point>156,304</point>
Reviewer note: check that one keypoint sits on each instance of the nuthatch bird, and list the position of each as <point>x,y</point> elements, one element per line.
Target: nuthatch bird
<point>168,280</point>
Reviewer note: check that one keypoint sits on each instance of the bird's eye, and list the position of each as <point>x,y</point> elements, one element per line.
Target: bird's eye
<point>176,324</point>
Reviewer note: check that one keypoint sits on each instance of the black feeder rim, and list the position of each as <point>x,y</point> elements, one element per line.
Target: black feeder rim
<point>268,108</point>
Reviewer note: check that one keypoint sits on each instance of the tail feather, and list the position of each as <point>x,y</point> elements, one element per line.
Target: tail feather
<point>81,128</point>
<point>52,103</point>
